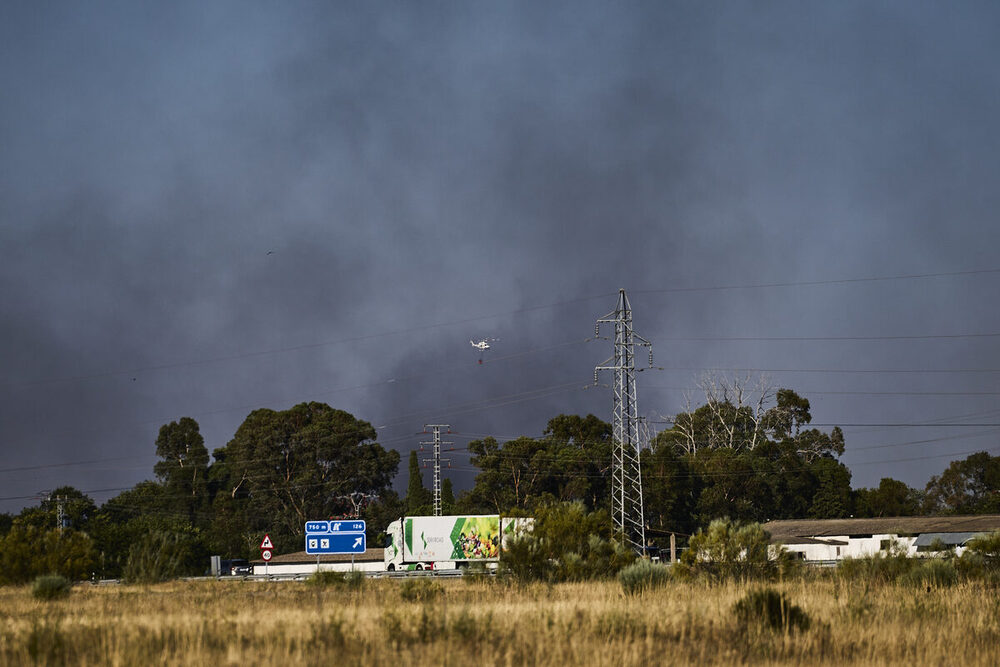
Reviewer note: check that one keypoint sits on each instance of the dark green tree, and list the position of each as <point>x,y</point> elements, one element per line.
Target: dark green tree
<point>183,469</point>
<point>379,513</point>
<point>670,489</point>
<point>832,499</point>
<point>447,497</point>
<point>747,463</point>
<point>419,501</point>
<point>283,468</point>
<point>890,498</point>
<point>571,462</point>
<point>129,517</point>
<point>970,486</point>
<point>77,510</point>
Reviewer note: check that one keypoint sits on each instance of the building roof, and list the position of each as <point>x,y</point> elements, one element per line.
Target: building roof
<point>816,540</point>
<point>302,557</point>
<point>787,530</point>
<point>948,539</point>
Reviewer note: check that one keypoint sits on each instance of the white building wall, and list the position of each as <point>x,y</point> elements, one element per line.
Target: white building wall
<point>855,547</point>
<point>310,568</point>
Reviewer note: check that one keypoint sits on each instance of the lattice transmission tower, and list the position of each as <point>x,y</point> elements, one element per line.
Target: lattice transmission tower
<point>626,474</point>
<point>436,442</point>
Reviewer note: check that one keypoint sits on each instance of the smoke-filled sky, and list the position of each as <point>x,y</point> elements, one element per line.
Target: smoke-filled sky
<point>212,207</point>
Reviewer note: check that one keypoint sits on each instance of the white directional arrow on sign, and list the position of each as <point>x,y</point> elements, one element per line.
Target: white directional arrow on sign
<point>357,543</point>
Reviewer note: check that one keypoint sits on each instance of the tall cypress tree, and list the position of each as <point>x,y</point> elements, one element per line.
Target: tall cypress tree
<point>418,499</point>
<point>447,497</point>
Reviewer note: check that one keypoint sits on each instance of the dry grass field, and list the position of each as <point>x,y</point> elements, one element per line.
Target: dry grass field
<point>491,623</point>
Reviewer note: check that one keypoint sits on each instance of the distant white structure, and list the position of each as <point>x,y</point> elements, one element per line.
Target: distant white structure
<point>301,563</point>
<point>830,540</point>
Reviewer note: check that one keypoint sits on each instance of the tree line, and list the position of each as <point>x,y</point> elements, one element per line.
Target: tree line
<point>726,458</point>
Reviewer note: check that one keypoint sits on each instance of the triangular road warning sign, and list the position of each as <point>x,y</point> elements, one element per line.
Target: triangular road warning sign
<point>267,543</point>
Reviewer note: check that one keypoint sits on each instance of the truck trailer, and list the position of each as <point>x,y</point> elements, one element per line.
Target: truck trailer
<point>447,542</point>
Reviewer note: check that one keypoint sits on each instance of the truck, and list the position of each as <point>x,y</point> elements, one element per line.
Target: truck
<point>449,542</point>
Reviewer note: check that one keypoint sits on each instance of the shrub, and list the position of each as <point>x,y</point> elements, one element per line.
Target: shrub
<point>566,543</point>
<point>161,555</point>
<point>986,546</point>
<point>353,579</point>
<point>475,573</point>
<point>33,551</point>
<point>931,572</point>
<point>643,575</point>
<point>771,610</point>
<point>51,587</point>
<point>420,590</point>
<point>981,559</point>
<point>875,569</point>
<point>730,550</point>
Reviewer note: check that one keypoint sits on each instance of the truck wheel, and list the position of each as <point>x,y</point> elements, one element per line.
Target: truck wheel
<point>391,568</point>
<point>419,567</point>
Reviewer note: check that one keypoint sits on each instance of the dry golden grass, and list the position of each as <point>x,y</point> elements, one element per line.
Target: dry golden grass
<point>487,623</point>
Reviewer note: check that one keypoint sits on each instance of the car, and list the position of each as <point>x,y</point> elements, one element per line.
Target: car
<point>239,567</point>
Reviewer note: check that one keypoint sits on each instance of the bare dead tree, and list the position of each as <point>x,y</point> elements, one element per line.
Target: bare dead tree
<point>731,400</point>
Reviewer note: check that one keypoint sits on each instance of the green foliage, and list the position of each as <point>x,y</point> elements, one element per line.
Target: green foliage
<point>51,587</point>
<point>771,610</point>
<point>643,575</point>
<point>419,501</point>
<point>379,513</point>
<point>569,463</point>
<point>731,550</point>
<point>352,580</point>
<point>933,572</point>
<point>891,498</point>
<point>31,551</point>
<point>970,486</point>
<point>422,589</point>
<point>125,520</point>
<point>78,510</point>
<point>566,543</point>
<point>876,569</point>
<point>475,572</point>
<point>981,559</point>
<point>183,469</point>
<point>670,488</point>
<point>163,555</point>
<point>986,546</point>
<point>447,497</point>
<point>731,459</point>
<point>299,464</point>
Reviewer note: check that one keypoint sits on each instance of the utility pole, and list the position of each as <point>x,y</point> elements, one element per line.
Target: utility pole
<point>436,430</point>
<point>626,474</point>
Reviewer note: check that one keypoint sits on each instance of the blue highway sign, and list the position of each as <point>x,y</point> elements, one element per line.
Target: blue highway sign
<point>335,537</point>
<point>335,543</point>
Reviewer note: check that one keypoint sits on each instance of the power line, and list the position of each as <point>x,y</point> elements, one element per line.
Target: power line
<point>811,392</point>
<point>816,283</point>
<point>879,371</point>
<point>456,322</point>
<point>856,339</point>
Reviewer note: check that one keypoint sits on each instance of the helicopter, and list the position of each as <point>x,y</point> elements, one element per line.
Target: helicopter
<point>482,346</point>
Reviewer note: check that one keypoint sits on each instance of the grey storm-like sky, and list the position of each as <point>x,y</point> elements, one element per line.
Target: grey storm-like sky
<point>212,207</point>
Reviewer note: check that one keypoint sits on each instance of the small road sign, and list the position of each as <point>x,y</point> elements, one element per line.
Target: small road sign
<point>267,543</point>
<point>266,555</point>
